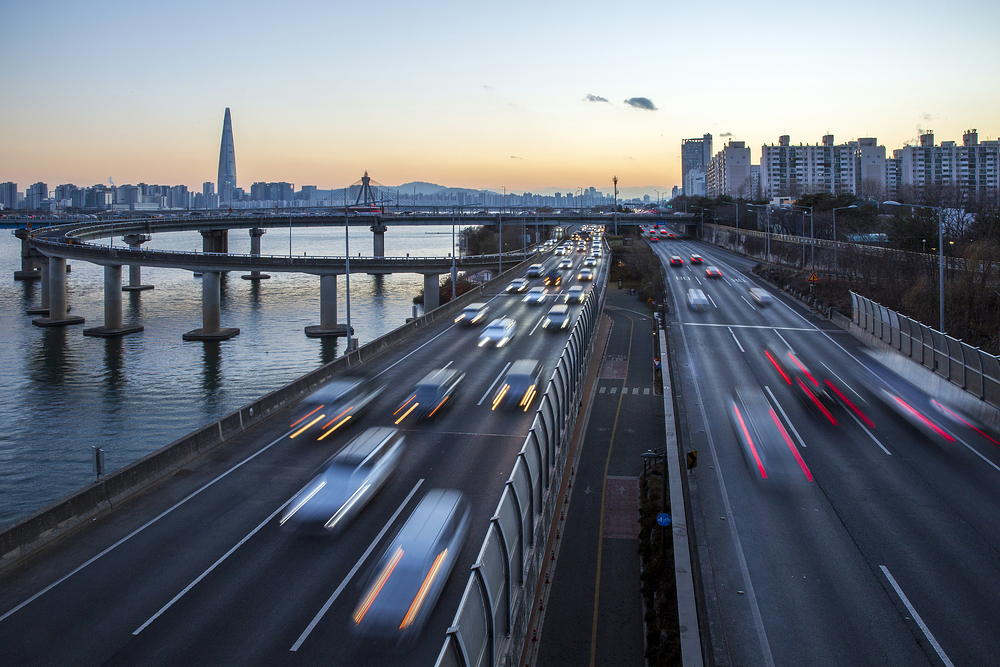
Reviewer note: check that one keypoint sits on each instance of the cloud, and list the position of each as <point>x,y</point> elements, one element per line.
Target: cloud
<point>641,103</point>
<point>927,117</point>
<point>514,157</point>
<point>594,98</point>
<point>726,134</point>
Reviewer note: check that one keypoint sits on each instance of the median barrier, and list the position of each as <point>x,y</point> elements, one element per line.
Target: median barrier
<point>58,519</point>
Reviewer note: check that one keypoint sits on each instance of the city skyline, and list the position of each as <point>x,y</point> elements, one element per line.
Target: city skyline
<point>453,94</point>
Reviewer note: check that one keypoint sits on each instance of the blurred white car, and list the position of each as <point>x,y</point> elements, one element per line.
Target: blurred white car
<point>575,294</point>
<point>535,295</point>
<point>761,296</point>
<point>518,285</point>
<point>697,299</point>
<point>498,332</point>
<point>472,314</point>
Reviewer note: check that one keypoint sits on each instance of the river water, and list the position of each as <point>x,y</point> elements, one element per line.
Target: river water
<point>62,392</point>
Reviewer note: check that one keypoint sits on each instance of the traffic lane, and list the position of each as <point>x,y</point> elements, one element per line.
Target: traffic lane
<point>805,570</point>
<point>164,583</point>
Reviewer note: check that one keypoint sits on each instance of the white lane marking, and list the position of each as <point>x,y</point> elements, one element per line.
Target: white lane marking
<point>614,390</point>
<point>787,344</point>
<point>645,392</point>
<point>870,434</point>
<point>635,391</point>
<point>916,617</point>
<point>213,566</point>
<point>748,303</point>
<point>737,341</point>
<point>698,279</point>
<point>540,320</point>
<point>834,374</point>
<point>494,384</point>
<point>713,302</point>
<point>448,364</point>
<point>765,646</point>
<point>602,390</point>
<point>141,528</point>
<point>975,451</point>
<point>751,326</point>
<point>354,570</point>
<point>787,420</point>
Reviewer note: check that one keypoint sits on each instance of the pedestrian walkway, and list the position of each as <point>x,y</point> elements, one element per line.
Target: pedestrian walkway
<point>593,612</point>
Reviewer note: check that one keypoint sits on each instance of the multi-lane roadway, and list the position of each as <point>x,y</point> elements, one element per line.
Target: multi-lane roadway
<point>888,555</point>
<point>198,571</point>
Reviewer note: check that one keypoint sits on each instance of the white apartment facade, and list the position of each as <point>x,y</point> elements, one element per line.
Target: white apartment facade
<point>858,167</point>
<point>973,167</point>
<point>729,171</point>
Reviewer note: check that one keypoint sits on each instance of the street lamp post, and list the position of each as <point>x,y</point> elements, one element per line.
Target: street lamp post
<point>940,215</point>
<point>731,203</point>
<point>347,271</point>
<point>812,238</point>
<point>839,208</point>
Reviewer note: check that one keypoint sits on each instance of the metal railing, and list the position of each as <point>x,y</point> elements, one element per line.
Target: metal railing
<point>492,617</point>
<point>968,367</point>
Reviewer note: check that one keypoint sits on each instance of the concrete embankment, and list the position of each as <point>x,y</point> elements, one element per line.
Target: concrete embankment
<point>32,533</point>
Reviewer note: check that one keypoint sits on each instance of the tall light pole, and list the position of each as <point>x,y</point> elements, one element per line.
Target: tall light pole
<point>839,208</point>
<point>812,238</point>
<point>500,233</point>
<point>614,216</point>
<point>940,214</point>
<point>657,198</point>
<point>347,271</point>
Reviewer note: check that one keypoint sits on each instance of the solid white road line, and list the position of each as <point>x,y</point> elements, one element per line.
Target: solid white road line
<point>748,303</point>
<point>141,528</point>
<point>713,303</point>
<point>787,420</point>
<point>213,566</point>
<point>540,320</point>
<point>834,374</point>
<point>783,340</point>
<point>354,570</point>
<point>916,617</point>
<point>737,341</point>
<point>870,434</point>
<point>494,383</point>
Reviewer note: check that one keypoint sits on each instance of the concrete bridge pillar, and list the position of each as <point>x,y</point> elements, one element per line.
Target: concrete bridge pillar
<point>57,297</point>
<point>134,241</point>
<point>215,240</point>
<point>43,271</point>
<point>255,234</point>
<point>210,312</point>
<point>432,292</point>
<point>379,229</point>
<point>112,307</point>
<point>28,270</point>
<point>328,326</point>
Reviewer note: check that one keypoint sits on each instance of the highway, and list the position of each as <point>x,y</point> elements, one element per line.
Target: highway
<point>197,570</point>
<point>890,555</point>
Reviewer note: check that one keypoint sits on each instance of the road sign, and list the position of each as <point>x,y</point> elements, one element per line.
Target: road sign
<point>663,519</point>
<point>814,278</point>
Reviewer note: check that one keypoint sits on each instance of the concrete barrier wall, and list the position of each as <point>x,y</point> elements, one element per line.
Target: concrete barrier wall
<point>35,531</point>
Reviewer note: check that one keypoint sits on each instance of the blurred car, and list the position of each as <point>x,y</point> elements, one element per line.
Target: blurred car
<point>342,399</point>
<point>713,272</point>
<point>553,278</point>
<point>535,271</point>
<point>405,585</point>
<point>558,318</point>
<point>766,445</point>
<point>520,386</point>
<point>761,296</point>
<point>345,483</point>
<point>566,264</point>
<point>575,294</point>
<point>472,314</point>
<point>585,274</point>
<point>590,261</point>
<point>675,260</point>
<point>518,285</point>
<point>815,393</point>
<point>697,299</point>
<point>696,259</point>
<point>498,332</point>
<point>535,295</point>
<point>560,251</point>
<point>653,239</point>
<point>430,394</point>
<point>596,253</point>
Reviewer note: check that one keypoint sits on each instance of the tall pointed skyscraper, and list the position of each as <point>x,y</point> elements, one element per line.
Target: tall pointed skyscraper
<point>227,162</point>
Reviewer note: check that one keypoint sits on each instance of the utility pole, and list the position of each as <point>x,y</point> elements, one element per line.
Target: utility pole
<point>614,216</point>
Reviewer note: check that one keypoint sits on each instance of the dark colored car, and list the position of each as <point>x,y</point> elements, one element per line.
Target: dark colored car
<point>341,400</point>
<point>430,395</point>
<point>520,386</point>
<point>553,278</point>
<point>675,260</point>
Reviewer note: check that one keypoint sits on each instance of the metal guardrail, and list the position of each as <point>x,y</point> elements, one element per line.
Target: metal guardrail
<point>492,617</point>
<point>968,367</point>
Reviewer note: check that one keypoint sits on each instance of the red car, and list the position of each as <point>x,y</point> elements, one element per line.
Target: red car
<point>696,259</point>
<point>712,272</point>
<point>676,261</point>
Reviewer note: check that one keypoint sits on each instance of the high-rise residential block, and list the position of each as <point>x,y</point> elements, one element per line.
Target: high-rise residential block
<point>857,167</point>
<point>227,161</point>
<point>729,171</point>
<point>695,153</point>
<point>973,167</point>
<point>8,195</point>
<point>37,193</point>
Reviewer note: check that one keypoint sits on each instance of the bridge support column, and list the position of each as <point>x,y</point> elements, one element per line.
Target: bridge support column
<point>378,243</point>
<point>112,307</point>
<point>432,292</point>
<point>43,309</point>
<point>215,240</point>
<point>328,327</point>
<point>255,234</point>
<point>134,241</point>
<point>57,297</point>
<point>210,317</point>
<point>28,270</point>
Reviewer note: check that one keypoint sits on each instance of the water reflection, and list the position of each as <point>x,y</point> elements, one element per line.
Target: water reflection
<point>211,375</point>
<point>114,364</point>
<point>378,284</point>
<point>133,309</point>
<point>255,296</point>
<point>28,292</point>
<point>52,358</point>
<point>327,350</point>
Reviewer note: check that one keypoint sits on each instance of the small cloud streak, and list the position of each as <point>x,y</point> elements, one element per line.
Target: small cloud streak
<point>927,117</point>
<point>641,103</point>
<point>514,157</point>
<point>726,134</point>
<point>595,98</point>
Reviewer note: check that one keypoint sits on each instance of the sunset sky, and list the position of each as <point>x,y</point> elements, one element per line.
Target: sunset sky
<point>527,95</point>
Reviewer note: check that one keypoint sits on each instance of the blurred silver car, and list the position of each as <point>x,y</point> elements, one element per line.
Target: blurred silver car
<point>346,483</point>
<point>472,314</point>
<point>498,332</point>
<point>761,296</point>
<point>430,394</point>
<point>337,403</point>
<point>535,295</point>
<point>405,585</point>
<point>558,318</point>
<point>575,294</point>
<point>517,285</point>
<point>697,299</point>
